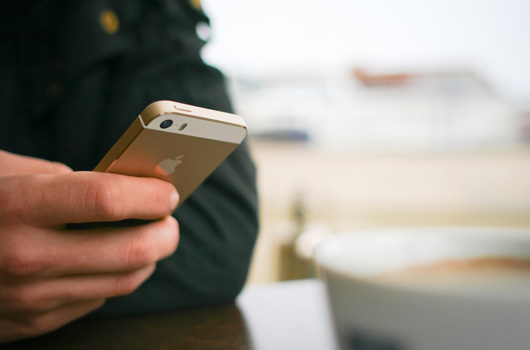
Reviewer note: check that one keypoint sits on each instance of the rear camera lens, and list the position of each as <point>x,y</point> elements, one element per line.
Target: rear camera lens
<point>166,123</point>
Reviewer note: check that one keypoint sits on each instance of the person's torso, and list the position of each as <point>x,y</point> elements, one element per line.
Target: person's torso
<point>61,62</point>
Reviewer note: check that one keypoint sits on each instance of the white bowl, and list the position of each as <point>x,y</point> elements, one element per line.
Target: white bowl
<point>376,314</point>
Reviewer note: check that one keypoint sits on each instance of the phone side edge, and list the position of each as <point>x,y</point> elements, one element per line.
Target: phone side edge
<point>121,145</point>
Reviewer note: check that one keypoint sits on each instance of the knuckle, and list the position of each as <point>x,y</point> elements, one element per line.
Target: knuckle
<point>103,199</point>
<point>140,252</point>
<point>154,242</point>
<point>20,264</point>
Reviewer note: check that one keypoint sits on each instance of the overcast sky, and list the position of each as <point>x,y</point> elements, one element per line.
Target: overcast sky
<point>271,37</point>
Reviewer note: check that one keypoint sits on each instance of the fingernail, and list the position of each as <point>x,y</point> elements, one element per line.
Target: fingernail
<point>174,199</point>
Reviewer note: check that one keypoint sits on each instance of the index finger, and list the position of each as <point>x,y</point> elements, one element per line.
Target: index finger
<point>90,197</point>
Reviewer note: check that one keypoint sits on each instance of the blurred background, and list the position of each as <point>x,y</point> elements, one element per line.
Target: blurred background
<point>370,114</point>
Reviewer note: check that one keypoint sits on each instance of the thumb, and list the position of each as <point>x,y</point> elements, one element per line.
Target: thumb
<point>14,164</point>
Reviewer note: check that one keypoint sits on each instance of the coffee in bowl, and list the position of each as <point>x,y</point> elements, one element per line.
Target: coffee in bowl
<point>429,288</point>
<point>477,276</point>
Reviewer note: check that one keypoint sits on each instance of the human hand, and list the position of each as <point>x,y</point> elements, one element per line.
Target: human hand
<point>50,275</point>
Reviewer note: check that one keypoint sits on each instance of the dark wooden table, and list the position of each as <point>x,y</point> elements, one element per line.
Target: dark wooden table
<point>288,315</point>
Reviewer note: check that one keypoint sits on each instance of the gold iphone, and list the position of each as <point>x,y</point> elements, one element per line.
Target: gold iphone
<point>175,142</point>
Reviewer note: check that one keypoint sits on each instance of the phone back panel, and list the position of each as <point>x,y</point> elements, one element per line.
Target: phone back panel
<point>186,161</point>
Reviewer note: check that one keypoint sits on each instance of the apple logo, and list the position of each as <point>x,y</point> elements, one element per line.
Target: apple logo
<point>168,166</point>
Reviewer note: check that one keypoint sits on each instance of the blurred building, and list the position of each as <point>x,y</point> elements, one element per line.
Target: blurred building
<point>368,114</point>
